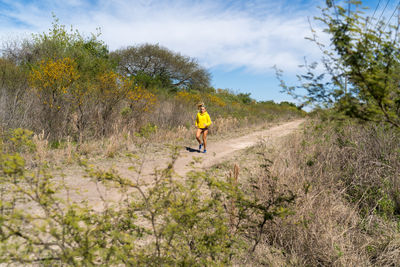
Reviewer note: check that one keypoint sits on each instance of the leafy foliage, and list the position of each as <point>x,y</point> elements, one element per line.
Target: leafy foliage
<point>173,70</point>
<point>52,79</point>
<point>361,66</point>
<point>170,222</point>
<point>75,81</point>
<point>70,86</point>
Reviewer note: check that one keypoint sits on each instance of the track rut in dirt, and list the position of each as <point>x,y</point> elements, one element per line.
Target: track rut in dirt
<point>188,159</point>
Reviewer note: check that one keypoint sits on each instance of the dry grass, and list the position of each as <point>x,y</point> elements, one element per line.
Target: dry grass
<point>130,139</point>
<point>345,178</point>
<point>331,223</point>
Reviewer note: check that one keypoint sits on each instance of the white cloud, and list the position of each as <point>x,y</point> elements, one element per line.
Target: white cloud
<point>251,34</point>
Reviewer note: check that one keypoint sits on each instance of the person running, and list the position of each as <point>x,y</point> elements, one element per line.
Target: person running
<point>203,121</point>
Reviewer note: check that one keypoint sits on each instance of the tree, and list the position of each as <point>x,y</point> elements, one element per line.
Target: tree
<point>173,70</point>
<point>54,83</point>
<point>245,98</point>
<point>361,65</point>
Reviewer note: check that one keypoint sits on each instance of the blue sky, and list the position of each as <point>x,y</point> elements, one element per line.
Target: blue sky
<point>238,41</point>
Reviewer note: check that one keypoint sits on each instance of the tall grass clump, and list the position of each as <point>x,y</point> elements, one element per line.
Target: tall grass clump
<point>346,178</point>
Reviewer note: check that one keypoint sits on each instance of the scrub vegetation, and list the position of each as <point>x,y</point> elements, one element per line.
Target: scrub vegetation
<point>71,86</point>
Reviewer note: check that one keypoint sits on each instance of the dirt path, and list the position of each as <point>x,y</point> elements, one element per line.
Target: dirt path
<point>222,150</point>
<point>188,159</point>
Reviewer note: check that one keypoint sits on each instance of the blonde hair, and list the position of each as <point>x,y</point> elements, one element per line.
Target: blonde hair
<point>200,105</point>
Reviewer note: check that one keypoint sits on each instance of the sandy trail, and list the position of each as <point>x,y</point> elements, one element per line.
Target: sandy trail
<point>220,151</point>
<point>216,152</point>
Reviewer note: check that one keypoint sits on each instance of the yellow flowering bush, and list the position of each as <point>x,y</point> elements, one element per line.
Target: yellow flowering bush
<point>193,98</point>
<point>53,79</point>
<point>187,97</point>
<point>213,99</point>
<point>141,98</point>
<point>112,86</point>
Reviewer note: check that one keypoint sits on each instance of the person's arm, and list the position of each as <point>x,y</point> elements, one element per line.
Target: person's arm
<point>197,120</point>
<point>208,120</point>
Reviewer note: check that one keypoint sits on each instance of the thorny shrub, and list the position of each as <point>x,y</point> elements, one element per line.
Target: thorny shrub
<point>346,177</point>
<point>170,221</point>
<point>368,166</point>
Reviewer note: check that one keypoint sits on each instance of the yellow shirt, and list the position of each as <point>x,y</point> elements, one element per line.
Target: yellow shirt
<point>203,120</point>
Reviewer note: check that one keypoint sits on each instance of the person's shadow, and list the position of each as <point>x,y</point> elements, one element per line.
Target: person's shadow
<point>192,149</point>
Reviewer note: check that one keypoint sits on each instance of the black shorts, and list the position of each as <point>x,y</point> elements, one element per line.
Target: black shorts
<point>203,129</point>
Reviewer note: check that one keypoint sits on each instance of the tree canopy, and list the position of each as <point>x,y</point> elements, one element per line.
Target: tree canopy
<point>173,70</point>
<point>361,65</point>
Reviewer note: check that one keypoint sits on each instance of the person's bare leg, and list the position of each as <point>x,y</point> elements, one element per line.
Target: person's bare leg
<point>198,133</point>
<point>205,132</point>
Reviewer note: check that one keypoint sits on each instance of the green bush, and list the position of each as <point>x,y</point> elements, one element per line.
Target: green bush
<point>172,221</point>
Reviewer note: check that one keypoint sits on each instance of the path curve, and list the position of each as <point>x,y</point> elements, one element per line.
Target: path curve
<point>217,152</point>
<point>220,151</point>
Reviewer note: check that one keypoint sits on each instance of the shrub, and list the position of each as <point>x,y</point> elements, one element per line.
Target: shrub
<point>346,179</point>
<point>197,221</point>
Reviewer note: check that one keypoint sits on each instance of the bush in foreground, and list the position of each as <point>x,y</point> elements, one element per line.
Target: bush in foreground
<point>195,221</point>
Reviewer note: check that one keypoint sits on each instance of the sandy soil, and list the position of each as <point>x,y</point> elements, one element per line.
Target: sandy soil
<point>188,159</point>
<point>220,151</point>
